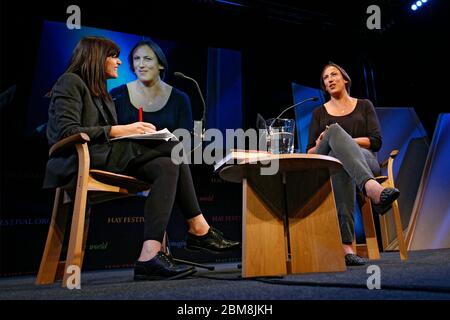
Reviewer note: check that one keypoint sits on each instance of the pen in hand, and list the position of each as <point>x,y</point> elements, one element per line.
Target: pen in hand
<point>140,114</point>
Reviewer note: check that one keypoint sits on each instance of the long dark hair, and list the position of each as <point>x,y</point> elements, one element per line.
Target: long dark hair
<point>158,53</point>
<point>88,61</point>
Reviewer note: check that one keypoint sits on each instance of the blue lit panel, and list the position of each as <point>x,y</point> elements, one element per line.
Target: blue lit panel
<point>399,126</point>
<point>432,229</point>
<point>304,111</point>
<point>224,90</point>
<point>402,130</point>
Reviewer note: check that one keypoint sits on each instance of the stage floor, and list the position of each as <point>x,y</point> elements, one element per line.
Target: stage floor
<point>426,275</point>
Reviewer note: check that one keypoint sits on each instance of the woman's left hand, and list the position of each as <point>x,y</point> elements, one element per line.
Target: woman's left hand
<point>133,128</point>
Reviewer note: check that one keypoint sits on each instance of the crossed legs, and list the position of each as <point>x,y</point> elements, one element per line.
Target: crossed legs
<point>359,165</point>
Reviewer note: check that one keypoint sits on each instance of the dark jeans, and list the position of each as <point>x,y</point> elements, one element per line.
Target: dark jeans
<point>170,182</point>
<point>359,164</point>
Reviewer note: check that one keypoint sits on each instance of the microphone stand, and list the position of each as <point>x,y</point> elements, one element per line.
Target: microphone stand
<point>268,129</point>
<point>166,238</point>
<point>290,107</point>
<point>203,119</point>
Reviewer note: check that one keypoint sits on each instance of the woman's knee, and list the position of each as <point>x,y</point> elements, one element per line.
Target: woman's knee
<point>168,166</point>
<point>335,127</point>
<point>336,131</point>
<point>163,167</point>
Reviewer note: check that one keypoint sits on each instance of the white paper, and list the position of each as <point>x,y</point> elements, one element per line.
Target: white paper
<point>163,134</point>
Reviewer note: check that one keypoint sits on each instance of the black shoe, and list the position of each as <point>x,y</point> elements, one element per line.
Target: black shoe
<point>354,260</point>
<point>388,195</point>
<point>161,267</point>
<point>213,242</point>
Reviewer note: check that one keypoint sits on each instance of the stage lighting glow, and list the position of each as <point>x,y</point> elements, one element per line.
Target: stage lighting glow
<point>424,1</point>
<point>231,3</point>
<point>413,7</point>
<point>419,3</point>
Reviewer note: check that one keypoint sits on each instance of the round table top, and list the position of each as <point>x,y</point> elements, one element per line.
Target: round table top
<point>287,162</point>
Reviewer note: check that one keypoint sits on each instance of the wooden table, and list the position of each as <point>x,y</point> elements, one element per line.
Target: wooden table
<point>289,222</point>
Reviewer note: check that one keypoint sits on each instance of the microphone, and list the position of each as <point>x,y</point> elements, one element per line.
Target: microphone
<point>182,75</point>
<point>294,105</point>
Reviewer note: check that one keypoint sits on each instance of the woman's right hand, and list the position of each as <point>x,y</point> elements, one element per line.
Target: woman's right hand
<point>133,128</point>
<point>319,139</point>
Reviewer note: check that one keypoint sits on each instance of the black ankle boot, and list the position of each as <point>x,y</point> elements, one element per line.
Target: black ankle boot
<point>213,242</point>
<point>161,267</point>
<point>387,197</point>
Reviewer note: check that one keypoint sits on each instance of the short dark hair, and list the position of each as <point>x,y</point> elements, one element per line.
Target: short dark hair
<point>88,61</point>
<point>156,49</point>
<point>344,75</point>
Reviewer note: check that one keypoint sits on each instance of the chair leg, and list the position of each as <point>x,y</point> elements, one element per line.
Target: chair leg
<point>77,232</point>
<point>55,238</point>
<point>86,232</point>
<point>384,231</point>
<point>399,230</point>
<point>373,251</point>
<point>398,224</point>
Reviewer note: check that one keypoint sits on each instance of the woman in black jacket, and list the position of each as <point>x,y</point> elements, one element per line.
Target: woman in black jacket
<point>81,103</point>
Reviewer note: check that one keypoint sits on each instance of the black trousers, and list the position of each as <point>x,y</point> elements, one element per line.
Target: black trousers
<point>170,182</point>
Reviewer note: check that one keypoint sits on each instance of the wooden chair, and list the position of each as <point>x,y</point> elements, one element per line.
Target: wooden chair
<point>371,249</point>
<point>93,185</point>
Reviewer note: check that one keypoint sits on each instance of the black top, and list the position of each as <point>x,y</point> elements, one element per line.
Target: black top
<point>175,114</point>
<point>361,122</point>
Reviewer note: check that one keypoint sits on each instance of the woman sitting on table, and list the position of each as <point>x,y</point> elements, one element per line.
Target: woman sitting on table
<point>348,129</point>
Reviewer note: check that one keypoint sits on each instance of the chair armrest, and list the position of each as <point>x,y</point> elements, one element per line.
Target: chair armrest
<point>68,142</point>
<point>392,155</point>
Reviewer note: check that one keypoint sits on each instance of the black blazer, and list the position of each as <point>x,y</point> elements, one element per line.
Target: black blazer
<point>73,110</point>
